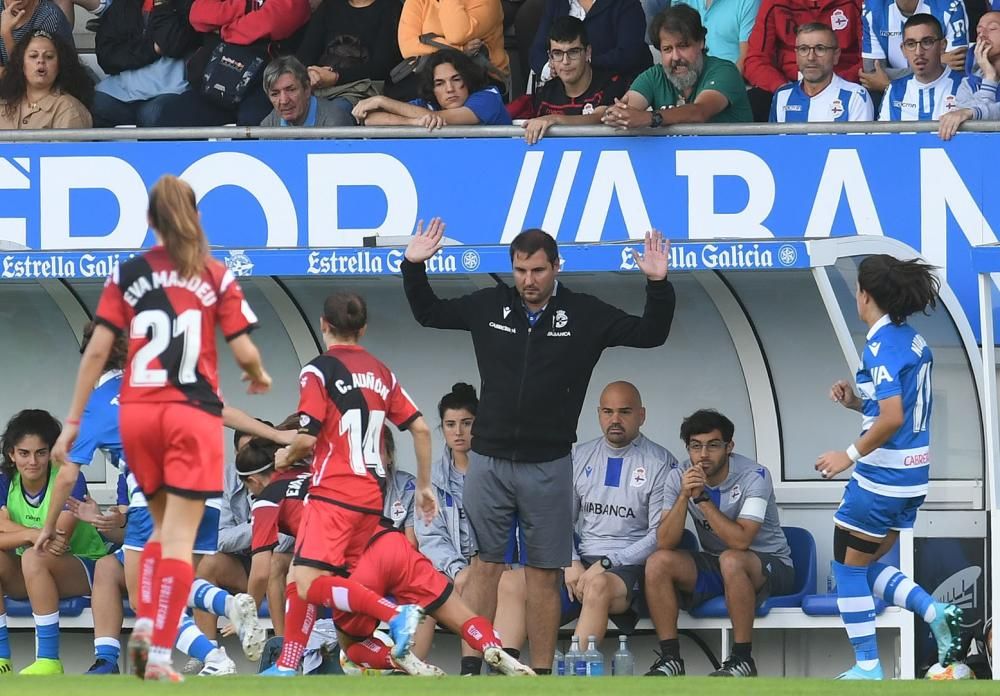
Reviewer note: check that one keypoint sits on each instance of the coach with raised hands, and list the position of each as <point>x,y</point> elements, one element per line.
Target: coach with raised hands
<point>536,346</point>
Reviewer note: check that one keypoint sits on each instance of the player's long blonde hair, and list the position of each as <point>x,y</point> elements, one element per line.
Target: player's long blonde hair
<point>173,213</point>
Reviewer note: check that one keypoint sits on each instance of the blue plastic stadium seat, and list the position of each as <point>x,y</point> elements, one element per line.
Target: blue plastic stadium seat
<point>69,607</point>
<point>826,604</point>
<point>803,548</point>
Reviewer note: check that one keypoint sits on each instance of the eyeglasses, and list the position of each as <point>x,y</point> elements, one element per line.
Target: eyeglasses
<point>573,54</point>
<point>711,446</point>
<point>819,49</point>
<point>926,43</point>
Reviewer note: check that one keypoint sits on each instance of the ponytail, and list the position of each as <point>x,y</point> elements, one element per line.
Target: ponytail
<point>174,214</point>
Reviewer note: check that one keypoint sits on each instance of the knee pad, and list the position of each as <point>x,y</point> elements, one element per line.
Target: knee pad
<point>843,539</point>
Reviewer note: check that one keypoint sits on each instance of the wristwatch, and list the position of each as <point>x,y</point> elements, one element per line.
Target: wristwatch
<point>703,498</point>
<point>606,563</point>
<point>657,119</point>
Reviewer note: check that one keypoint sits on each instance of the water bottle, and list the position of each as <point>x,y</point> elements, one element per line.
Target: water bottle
<point>594,659</point>
<point>575,665</point>
<point>559,663</point>
<point>623,664</point>
<point>831,581</point>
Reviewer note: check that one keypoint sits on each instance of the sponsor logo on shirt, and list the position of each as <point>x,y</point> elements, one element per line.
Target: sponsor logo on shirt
<point>875,346</point>
<point>838,20</point>
<point>793,107</point>
<point>501,327</point>
<point>506,312</point>
<point>622,511</point>
<point>880,374</point>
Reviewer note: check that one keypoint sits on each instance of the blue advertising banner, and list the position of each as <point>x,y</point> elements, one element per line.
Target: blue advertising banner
<point>936,197</point>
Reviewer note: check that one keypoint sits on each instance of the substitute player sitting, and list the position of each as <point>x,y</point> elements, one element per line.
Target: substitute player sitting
<point>346,395</point>
<point>389,564</point>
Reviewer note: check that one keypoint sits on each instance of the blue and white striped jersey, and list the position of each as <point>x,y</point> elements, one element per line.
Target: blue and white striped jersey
<point>896,362</point>
<point>840,101</point>
<point>882,27</point>
<point>618,498</point>
<point>908,99</point>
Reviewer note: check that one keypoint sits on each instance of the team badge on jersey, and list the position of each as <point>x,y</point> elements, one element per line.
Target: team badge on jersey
<point>588,109</point>
<point>398,511</point>
<point>950,102</point>
<point>838,20</point>
<point>560,319</point>
<point>638,477</point>
<point>836,108</point>
<point>735,493</point>
<point>304,420</point>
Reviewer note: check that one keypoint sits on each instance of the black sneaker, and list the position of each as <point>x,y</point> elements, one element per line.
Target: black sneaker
<point>736,667</point>
<point>666,667</point>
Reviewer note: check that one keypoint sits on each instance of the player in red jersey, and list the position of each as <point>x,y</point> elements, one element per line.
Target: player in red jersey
<point>345,397</point>
<point>389,564</point>
<point>169,300</point>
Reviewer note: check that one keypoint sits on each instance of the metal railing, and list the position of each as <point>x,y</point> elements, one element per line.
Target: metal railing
<point>409,132</point>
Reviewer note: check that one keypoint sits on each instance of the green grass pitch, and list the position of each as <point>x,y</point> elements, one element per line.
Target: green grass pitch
<point>481,686</point>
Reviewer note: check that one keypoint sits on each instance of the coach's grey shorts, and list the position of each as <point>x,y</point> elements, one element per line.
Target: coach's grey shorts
<point>540,494</point>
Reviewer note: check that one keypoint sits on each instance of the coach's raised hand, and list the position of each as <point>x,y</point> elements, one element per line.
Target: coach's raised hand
<point>425,243</point>
<point>655,256</point>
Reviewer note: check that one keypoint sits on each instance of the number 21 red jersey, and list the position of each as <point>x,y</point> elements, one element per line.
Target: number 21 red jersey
<point>345,396</point>
<point>171,325</point>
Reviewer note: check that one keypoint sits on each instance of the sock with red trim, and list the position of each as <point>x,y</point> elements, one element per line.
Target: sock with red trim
<point>479,633</point>
<point>351,596</point>
<point>371,654</point>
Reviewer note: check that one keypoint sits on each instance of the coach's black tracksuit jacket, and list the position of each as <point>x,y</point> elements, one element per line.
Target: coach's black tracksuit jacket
<point>534,380</point>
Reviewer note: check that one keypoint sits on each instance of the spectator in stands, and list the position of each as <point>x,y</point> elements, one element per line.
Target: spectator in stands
<point>771,60</point>
<point>978,99</point>
<point>729,25</point>
<point>618,485</point>
<point>45,86</point>
<point>882,37</point>
<point>932,88</point>
<point>745,554</point>
<point>142,46</point>
<point>616,30</point>
<point>577,94</point>
<point>286,84</point>
<point>448,539</point>
<point>65,568</point>
<point>453,91</point>
<point>349,45</point>
<point>258,25</point>
<point>821,95</point>
<point>688,87</point>
<point>471,26</point>
<point>21,18</point>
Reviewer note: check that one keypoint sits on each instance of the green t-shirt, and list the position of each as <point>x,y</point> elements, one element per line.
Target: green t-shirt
<point>85,541</point>
<point>717,74</point>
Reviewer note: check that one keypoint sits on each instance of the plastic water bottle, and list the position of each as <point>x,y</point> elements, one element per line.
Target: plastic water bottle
<point>575,665</point>
<point>831,581</point>
<point>594,658</point>
<point>623,663</point>
<point>559,663</point>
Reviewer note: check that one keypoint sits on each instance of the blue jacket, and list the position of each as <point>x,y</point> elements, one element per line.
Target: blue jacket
<point>617,32</point>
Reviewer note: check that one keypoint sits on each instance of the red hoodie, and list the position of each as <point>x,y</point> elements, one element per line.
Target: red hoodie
<point>243,23</point>
<point>770,60</point>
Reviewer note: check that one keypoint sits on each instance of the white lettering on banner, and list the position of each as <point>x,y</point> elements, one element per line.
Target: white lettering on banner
<point>701,167</point>
<point>13,177</point>
<point>941,190</point>
<point>613,174</point>
<point>327,172</point>
<point>59,175</point>
<point>257,179</point>
<point>843,173</point>
<point>333,262</point>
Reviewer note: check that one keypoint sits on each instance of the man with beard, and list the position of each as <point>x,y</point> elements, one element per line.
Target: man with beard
<point>746,557</point>
<point>688,87</point>
<point>933,88</point>
<point>820,95</point>
<point>978,98</point>
<point>577,94</point>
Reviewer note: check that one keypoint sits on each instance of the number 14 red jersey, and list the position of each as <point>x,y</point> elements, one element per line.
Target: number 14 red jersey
<point>171,324</point>
<point>345,396</point>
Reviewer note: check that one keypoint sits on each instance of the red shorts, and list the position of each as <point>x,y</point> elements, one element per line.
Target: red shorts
<point>174,446</point>
<point>392,567</point>
<point>332,537</point>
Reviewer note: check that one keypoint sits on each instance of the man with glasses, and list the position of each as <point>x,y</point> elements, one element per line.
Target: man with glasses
<point>821,95</point>
<point>745,554</point>
<point>688,87</point>
<point>577,94</point>
<point>882,38</point>
<point>932,89</point>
